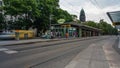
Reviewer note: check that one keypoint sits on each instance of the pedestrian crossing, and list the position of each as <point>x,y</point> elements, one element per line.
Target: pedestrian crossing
<point>8,51</point>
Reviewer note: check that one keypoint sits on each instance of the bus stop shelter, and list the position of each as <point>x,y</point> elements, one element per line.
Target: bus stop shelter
<point>115,18</point>
<point>74,30</point>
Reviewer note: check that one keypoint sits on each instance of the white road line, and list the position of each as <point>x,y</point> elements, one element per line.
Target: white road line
<point>3,49</point>
<point>8,51</point>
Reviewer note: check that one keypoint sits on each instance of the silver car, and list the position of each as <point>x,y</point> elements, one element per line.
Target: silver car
<point>7,35</point>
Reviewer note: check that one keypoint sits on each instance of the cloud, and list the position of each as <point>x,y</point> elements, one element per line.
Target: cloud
<point>112,8</point>
<point>93,12</point>
<point>107,3</point>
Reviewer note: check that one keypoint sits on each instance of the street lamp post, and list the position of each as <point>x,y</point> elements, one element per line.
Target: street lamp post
<point>50,18</point>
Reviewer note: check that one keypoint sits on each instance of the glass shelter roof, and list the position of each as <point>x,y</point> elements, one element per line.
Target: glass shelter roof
<point>114,16</point>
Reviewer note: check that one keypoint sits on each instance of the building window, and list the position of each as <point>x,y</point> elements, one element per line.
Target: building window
<point>0,3</point>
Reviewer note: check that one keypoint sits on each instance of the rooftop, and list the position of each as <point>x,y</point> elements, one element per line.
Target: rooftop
<point>80,25</point>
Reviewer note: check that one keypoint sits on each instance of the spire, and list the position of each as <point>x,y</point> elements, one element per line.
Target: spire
<point>82,15</point>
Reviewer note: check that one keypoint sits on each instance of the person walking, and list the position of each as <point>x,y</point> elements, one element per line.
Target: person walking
<point>67,35</point>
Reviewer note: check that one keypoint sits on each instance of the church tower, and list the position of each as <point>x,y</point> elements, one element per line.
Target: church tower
<point>82,17</point>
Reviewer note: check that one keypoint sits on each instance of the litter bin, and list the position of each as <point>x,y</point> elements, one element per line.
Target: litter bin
<point>25,36</point>
<point>17,35</point>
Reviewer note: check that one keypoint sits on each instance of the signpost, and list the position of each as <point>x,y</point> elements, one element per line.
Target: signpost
<point>61,21</point>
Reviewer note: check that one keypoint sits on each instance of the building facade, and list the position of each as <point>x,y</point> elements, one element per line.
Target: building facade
<point>82,16</point>
<point>1,2</point>
<point>74,30</point>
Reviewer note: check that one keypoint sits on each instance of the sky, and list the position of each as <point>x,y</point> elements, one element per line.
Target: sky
<point>94,9</point>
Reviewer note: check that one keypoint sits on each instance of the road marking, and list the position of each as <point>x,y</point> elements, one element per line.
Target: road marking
<point>8,51</point>
<point>3,49</point>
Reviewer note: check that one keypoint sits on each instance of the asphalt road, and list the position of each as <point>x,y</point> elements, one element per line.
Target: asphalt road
<point>54,54</point>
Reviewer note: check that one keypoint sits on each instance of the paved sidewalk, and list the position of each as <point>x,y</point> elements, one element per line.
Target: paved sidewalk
<point>97,55</point>
<point>16,42</point>
<point>29,41</point>
<point>112,56</point>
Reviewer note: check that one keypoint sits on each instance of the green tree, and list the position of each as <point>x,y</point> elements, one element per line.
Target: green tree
<point>64,15</point>
<point>2,23</point>
<point>47,8</point>
<point>50,8</point>
<point>26,10</point>
<point>35,13</point>
<point>74,18</point>
<point>91,23</point>
<point>107,28</point>
<point>2,18</point>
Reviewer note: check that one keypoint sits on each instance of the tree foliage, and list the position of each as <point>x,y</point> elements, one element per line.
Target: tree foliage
<point>34,13</point>
<point>50,8</point>
<point>107,29</point>
<point>65,15</point>
<point>91,23</point>
<point>47,8</point>
<point>2,21</point>
<point>26,10</point>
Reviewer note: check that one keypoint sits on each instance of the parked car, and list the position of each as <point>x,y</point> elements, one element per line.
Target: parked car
<point>7,35</point>
<point>45,36</point>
